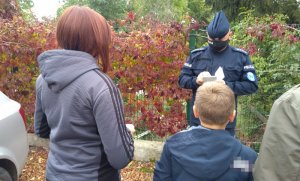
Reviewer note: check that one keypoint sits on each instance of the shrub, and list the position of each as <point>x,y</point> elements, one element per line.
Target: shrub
<point>148,59</point>
<point>20,43</point>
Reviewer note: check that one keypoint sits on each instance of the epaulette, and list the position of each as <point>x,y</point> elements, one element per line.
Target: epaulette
<point>199,49</point>
<point>240,50</point>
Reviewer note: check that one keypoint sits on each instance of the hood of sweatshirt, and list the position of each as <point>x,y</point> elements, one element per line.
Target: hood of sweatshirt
<point>205,154</point>
<point>60,67</point>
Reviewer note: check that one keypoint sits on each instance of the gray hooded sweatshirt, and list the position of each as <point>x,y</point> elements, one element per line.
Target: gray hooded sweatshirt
<point>81,110</point>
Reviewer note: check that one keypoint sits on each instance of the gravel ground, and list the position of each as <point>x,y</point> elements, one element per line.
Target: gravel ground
<point>35,168</point>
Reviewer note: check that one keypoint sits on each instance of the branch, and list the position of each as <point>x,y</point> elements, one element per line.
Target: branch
<point>16,43</point>
<point>290,27</point>
<point>261,117</point>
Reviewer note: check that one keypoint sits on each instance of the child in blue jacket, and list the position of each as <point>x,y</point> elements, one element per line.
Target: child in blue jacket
<point>207,152</point>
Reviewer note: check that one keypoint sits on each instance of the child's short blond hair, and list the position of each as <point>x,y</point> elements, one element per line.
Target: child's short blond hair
<point>214,102</point>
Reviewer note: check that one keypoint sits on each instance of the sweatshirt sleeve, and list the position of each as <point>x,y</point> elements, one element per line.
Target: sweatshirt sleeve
<point>109,115</point>
<point>162,171</point>
<point>41,127</point>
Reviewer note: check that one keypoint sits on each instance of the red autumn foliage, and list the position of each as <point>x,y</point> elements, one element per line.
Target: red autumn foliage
<point>20,43</point>
<point>147,58</point>
<point>131,16</point>
<point>149,62</point>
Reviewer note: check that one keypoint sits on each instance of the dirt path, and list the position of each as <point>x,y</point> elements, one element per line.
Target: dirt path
<point>35,168</point>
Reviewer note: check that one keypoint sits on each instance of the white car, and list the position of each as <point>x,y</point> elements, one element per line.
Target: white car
<point>13,139</point>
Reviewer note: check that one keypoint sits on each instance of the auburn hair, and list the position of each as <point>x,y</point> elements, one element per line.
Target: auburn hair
<point>83,29</point>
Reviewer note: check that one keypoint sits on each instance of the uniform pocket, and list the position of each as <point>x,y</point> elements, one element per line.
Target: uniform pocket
<point>232,73</point>
<point>199,67</point>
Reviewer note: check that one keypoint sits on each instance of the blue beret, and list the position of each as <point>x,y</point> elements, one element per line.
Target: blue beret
<point>219,26</point>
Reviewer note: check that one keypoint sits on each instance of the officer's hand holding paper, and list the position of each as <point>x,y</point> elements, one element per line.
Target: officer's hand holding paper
<point>206,76</point>
<point>200,77</point>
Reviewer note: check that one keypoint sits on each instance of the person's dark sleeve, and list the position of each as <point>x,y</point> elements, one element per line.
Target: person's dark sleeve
<point>116,139</point>
<point>248,83</point>
<point>162,170</point>
<point>252,156</point>
<point>41,127</point>
<point>187,79</point>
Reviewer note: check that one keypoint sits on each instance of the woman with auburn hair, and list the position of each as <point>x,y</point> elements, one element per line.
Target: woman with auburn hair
<point>78,106</point>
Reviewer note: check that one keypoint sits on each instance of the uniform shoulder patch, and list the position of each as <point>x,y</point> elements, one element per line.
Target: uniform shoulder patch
<point>240,50</point>
<point>251,76</point>
<point>199,50</point>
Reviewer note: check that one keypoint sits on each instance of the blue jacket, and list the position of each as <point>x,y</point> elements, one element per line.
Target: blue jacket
<point>201,154</point>
<point>239,72</point>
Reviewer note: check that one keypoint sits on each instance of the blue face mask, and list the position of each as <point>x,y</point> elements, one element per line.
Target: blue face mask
<point>218,45</point>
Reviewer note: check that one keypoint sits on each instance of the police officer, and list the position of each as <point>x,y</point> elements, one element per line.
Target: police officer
<point>237,67</point>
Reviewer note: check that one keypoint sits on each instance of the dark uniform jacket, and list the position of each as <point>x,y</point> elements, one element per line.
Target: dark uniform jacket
<point>239,72</point>
<point>201,154</point>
